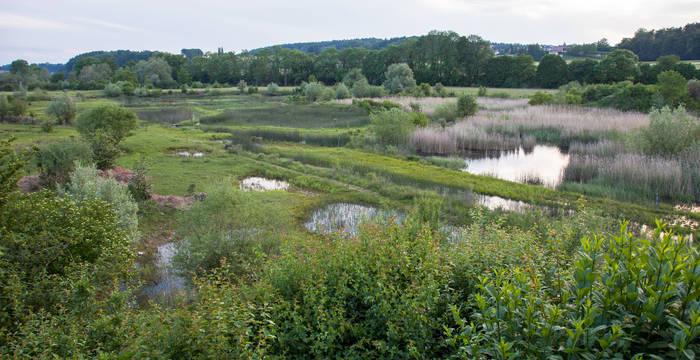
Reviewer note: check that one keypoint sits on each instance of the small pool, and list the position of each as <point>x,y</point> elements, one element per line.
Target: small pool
<point>346,218</point>
<point>262,184</point>
<point>543,165</point>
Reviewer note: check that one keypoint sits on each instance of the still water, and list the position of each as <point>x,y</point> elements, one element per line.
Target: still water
<point>543,164</point>
<point>346,218</point>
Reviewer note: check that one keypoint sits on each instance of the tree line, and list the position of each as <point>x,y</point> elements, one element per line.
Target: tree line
<point>650,44</point>
<point>437,57</point>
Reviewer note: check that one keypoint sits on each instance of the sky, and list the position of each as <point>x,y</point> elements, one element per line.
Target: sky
<point>56,30</point>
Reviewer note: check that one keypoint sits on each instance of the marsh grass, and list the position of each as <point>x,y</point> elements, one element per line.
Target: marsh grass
<point>298,116</point>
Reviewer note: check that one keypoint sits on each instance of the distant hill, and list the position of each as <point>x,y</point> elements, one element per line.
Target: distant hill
<point>121,57</point>
<point>52,68</point>
<point>318,46</point>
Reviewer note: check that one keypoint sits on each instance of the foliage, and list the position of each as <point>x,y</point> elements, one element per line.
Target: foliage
<point>362,89</point>
<point>57,159</point>
<point>399,78</point>
<point>139,185</point>
<point>670,132</point>
<point>113,90</point>
<point>208,238</point>
<point>62,109</point>
<point>11,167</point>
<point>272,89</point>
<point>391,127</point>
<point>447,111</point>
<point>104,127</point>
<point>651,44</point>
<point>673,87</point>
<point>57,256</point>
<point>618,65</point>
<point>541,98</point>
<point>342,92</point>
<point>313,91</point>
<point>86,183</point>
<point>372,106</point>
<point>552,71</point>
<point>466,105</point>
<point>11,106</point>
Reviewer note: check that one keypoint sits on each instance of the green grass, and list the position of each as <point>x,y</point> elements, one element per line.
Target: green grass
<point>512,93</point>
<point>312,116</point>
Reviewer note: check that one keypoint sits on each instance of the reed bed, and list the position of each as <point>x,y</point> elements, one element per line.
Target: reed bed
<point>675,179</point>
<point>428,104</point>
<point>569,120</point>
<point>464,136</point>
<point>604,148</point>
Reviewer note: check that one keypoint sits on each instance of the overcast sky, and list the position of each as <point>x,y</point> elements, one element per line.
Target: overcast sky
<point>56,30</point>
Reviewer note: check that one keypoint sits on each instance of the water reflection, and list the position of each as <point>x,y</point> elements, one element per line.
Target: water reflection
<point>346,218</point>
<point>262,184</point>
<point>170,283</point>
<point>543,165</point>
<point>495,202</point>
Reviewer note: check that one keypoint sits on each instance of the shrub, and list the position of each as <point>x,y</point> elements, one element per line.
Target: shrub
<point>372,106</point>
<point>113,90</point>
<point>672,87</point>
<point>313,91</point>
<point>12,106</point>
<point>541,98</point>
<point>86,183</point>
<point>252,89</point>
<point>352,77</point>
<point>342,92</point>
<point>139,185</point>
<point>466,105</point>
<point>57,159</point>
<point>104,127</point>
<point>392,127</point>
<point>482,91</point>
<point>272,89</point>
<point>420,119</point>
<point>62,109</point>
<point>362,89</point>
<point>208,237</point>
<point>670,132</point>
<point>242,85</point>
<point>440,90</point>
<point>447,111</point>
<point>425,89</point>
<point>399,78</point>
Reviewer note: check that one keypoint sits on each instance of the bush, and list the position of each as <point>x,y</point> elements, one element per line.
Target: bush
<point>446,111</point>
<point>372,106</point>
<point>12,106</point>
<point>113,90</point>
<point>673,87</point>
<point>86,183</point>
<point>252,89</point>
<point>57,159</point>
<point>362,89</point>
<point>670,132</point>
<point>392,127</point>
<point>272,89</point>
<point>313,91</point>
<point>440,90</point>
<point>352,77</point>
<point>541,98</point>
<point>399,78</point>
<point>420,119</point>
<point>62,109</point>
<point>241,86</point>
<point>104,127</point>
<point>482,91</point>
<point>208,237</point>
<point>139,185</point>
<point>466,105</point>
<point>342,92</point>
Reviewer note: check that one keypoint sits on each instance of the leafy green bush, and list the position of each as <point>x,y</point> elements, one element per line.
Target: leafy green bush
<point>86,183</point>
<point>541,98</point>
<point>313,91</point>
<point>104,127</point>
<point>446,111</point>
<point>362,89</point>
<point>399,78</point>
<point>342,92</point>
<point>57,159</point>
<point>466,105</point>
<point>208,237</point>
<point>670,132</point>
<point>272,89</point>
<point>62,109</point>
<point>113,90</point>
<point>391,127</point>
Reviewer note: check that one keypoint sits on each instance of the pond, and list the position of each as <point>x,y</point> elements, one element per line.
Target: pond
<point>169,283</point>
<point>542,165</point>
<point>188,154</point>
<point>496,202</point>
<point>346,218</point>
<point>262,184</point>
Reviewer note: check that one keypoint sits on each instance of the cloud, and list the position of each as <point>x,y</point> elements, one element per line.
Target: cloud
<point>108,24</point>
<point>21,22</point>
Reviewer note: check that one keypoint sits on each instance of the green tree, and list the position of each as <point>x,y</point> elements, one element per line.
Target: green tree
<point>399,77</point>
<point>57,159</point>
<point>619,65</point>
<point>352,77</point>
<point>62,109</point>
<point>104,127</point>
<point>466,105</point>
<point>392,127</point>
<point>672,87</point>
<point>552,71</point>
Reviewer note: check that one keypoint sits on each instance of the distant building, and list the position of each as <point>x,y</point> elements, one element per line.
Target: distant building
<point>557,50</point>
